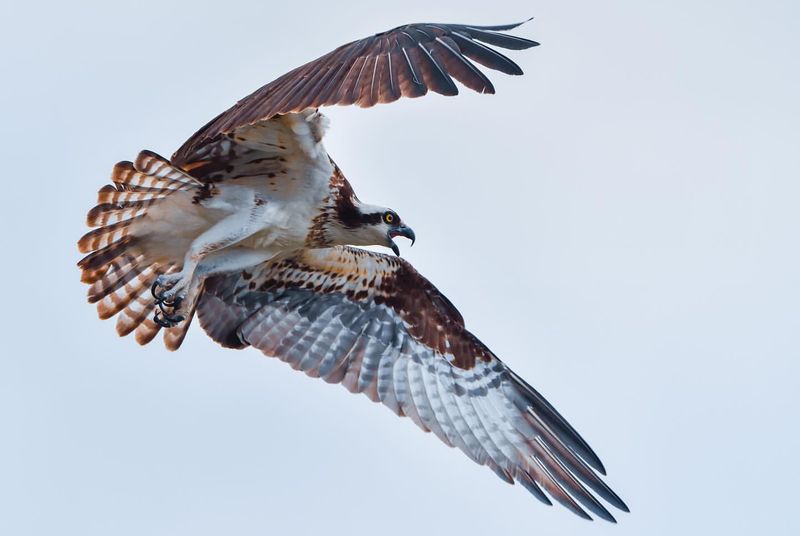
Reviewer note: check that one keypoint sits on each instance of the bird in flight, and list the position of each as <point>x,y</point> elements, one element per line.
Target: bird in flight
<point>250,227</point>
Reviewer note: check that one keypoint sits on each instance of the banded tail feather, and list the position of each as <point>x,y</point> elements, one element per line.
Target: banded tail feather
<point>122,260</point>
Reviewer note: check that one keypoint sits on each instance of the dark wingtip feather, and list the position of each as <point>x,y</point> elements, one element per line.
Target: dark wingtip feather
<point>504,27</point>
<point>488,57</point>
<point>580,512</point>
<point>533,488</point>
<point>612,498</point>
<point>602,513</point>
<point>498,39</point>
<point>559,424</point>
<point>595,461</point>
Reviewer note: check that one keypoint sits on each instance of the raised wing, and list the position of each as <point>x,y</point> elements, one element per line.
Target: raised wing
<point>372,323</point>
<point>284,153</point>
<point>406,61</point>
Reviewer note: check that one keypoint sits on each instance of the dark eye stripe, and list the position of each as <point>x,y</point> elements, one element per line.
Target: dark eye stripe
<point>371,219</point>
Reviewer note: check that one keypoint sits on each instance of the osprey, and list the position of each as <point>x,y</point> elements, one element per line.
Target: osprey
<point>250,227</point>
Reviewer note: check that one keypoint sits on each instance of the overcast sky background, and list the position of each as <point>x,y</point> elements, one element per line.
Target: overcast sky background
<point>620,226</point>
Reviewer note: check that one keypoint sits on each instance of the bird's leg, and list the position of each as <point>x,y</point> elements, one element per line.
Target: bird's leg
<point>233,259</point>
<point>169,290</point>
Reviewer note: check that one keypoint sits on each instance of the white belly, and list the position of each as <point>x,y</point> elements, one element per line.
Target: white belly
<point>284,223</point>
<point>171,226</point>
<point>285,228</point>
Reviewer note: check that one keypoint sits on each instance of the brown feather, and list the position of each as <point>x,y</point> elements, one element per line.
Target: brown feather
<point>358,73</point>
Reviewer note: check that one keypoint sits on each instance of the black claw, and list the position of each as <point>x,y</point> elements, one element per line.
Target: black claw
<point>169,304</point>
<point>175,319</point>
<point>163,306</point>
<point>174,303</point>
<point>165,316</point>
<point>153,288</point>
<point>168,321</point>
<point>168,308</point>
<point>159,296</point>
<point>160,321</point>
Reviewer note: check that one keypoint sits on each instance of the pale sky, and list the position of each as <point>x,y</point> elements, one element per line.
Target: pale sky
<point>619,226</point>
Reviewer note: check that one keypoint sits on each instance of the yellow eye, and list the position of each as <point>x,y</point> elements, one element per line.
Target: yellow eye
<point>389,218</point>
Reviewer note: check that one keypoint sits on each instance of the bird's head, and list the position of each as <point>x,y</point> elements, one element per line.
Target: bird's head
<point>379,225</point>
<point>344,220</point>
<point>368,225</point>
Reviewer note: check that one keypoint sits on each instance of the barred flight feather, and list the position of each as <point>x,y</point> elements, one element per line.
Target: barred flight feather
<point>118,300</point>
<point>119,273</point>
<point>146,331</point>
<point>134,314</point>
<point>373,324</point>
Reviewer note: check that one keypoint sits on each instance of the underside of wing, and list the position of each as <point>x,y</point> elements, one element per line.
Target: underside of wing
<point>407,61</point>
<point>372,323</point>
<point>283,154</point>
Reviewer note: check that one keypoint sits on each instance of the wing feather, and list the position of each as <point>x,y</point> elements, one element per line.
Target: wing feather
<point>403,62</point>
<point>372,323</point>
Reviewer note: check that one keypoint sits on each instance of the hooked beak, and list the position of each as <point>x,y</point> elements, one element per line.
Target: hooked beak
<point>402,230</point>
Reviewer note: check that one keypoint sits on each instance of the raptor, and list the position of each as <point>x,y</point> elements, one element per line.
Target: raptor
<point>250,228</point>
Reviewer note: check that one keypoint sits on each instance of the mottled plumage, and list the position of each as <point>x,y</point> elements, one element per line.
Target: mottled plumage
<point>250,226</point>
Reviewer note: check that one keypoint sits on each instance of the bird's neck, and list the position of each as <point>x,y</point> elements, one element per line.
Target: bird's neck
<point>337,214</point>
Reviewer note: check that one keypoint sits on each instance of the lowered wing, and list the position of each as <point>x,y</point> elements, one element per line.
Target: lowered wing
<point>372,323</point>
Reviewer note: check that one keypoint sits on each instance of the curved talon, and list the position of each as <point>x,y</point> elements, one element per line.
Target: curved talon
<point>177,319</point>
<point>160,321</point>
<point>174,318</point>
<point>166,315</point>
<point>163,306</point>
<point>159,296</point>
<point>173,303</point>
<point>153,290</point>
<point>168,310</point>
<point>167,321</point>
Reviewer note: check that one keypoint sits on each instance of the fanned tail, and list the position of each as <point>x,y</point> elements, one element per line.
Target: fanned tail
<point>119,266</point>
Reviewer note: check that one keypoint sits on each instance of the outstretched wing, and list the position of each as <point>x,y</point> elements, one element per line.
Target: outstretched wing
<point>406,61</point>
<point>372,323</point>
